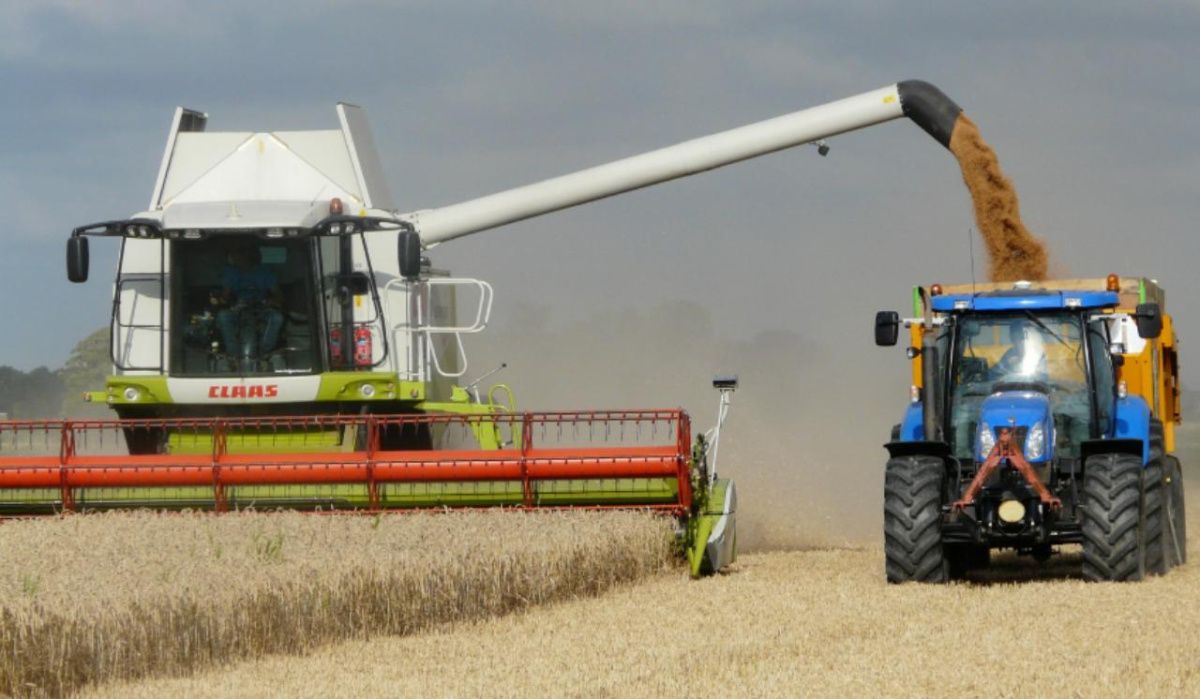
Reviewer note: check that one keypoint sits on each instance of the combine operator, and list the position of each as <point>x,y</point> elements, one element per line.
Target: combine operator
<point>250,320</point>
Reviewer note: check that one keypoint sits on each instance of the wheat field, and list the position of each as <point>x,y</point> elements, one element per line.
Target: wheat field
<point>780,624</point>
<point>783,624</point>
<point>109,597</point>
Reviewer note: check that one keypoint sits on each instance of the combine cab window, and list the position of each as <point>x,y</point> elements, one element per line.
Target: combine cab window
<point>1005,352</point>
<point>354,335</point>
<point>243,306</point>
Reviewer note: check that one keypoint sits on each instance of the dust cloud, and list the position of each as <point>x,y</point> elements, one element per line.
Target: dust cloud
<point>803,441</point>
<point>1013,252</point>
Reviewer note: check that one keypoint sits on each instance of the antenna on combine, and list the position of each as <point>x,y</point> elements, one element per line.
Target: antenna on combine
<point>725,385</point>
<point>971,246</point>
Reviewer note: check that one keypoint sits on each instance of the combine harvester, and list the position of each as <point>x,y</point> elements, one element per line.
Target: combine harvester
<point>1040,415</point>
<point>279,340</point>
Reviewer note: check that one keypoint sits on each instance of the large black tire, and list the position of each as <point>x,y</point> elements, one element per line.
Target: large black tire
<point>912,518</point>
<point>1153,510</point>
<point>1113,548</point>
<point>1174,514</point>
<point>1158,440</point>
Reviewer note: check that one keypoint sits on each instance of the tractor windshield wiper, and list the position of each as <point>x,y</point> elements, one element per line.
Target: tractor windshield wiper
<point>1045,327</point>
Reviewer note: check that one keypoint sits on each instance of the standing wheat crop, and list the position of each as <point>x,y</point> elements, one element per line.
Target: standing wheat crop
<point>95,598</point>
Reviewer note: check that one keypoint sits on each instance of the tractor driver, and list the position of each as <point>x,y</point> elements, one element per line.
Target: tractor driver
<point>251,296</point>
<point>1025,360</point>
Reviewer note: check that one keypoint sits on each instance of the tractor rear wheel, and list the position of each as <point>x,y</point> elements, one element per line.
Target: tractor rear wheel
<point>912,520</point>
<point>1174,514</point>
<point>1153,510</point>
<point>1111,513</point>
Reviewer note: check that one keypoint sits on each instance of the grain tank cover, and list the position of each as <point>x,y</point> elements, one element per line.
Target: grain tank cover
<point>201,167</point>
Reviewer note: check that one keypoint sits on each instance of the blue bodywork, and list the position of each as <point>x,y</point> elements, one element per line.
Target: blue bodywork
<point>1015,409</point>
<point>1027,408</point>
<point>912,428</point>
<point>1133,422</point>
<point>1025,301</point>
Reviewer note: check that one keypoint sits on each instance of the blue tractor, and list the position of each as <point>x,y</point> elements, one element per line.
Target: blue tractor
<point>1023,431</point>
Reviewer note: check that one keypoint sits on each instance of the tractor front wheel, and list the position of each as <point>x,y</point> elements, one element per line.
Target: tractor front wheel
<point>912,520</point>
<point>1111,513</point>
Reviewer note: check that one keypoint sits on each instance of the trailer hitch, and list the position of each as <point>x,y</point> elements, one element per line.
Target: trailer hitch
<point>1006,450</point>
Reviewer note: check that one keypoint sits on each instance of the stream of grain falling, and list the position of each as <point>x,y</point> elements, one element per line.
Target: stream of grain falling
<point>1013,252</point>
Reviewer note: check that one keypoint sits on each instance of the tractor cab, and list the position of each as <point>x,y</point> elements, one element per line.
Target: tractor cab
<point>1045,375</point>
<point>1021,405</point>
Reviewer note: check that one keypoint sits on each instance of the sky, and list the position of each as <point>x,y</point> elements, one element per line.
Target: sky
<point>1091,106</point>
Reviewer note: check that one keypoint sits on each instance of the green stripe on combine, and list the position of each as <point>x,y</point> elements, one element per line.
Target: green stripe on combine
<point>353,496</point>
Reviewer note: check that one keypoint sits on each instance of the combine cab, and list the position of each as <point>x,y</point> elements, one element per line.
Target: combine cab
<point>1039,417</point>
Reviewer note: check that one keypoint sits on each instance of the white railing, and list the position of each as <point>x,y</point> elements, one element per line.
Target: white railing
<point>418,332</point>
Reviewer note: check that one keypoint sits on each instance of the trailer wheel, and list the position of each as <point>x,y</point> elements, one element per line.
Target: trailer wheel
<point>1113,547</point>
<point>1174,514</point>
<point>912,518</point>
<point>1153,494</point>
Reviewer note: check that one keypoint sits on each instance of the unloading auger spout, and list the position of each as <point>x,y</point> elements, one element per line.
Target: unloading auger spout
<point>920,101</point>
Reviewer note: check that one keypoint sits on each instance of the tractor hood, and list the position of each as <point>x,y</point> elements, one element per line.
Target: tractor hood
<point>1021,411</point>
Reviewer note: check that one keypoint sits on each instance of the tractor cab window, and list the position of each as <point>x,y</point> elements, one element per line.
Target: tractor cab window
<point>1103,376</point>
<point>1042,352</point>
<point>245,306</point>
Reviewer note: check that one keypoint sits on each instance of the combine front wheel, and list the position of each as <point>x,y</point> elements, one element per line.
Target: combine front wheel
<point>912,519</point>
<point>1113,547</point>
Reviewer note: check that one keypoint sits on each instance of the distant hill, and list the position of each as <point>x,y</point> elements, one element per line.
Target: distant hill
<point>49,393</point>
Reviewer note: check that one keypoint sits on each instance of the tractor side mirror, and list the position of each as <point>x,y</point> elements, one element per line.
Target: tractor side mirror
<point>410,254</point>
<point>887,328</point>
<point>77,259</point>
<point>1149,320</point>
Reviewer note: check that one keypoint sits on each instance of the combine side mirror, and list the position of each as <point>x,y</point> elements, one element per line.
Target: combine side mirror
<point>410,254</point>
<point>1149,320</point>
<point>77,259</point>
<point>887,328</point>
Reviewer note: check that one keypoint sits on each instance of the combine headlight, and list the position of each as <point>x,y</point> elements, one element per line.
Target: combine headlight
<point>1035,442</point>
<point>132,394</point>
<point>987,439</point>
<point>367,390</point>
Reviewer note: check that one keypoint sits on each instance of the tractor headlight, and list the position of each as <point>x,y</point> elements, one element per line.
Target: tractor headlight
<point>1035,441</point>
<point>987,439</point>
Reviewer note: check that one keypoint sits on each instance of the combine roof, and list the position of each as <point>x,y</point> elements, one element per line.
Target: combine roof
<point>247,179</point>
